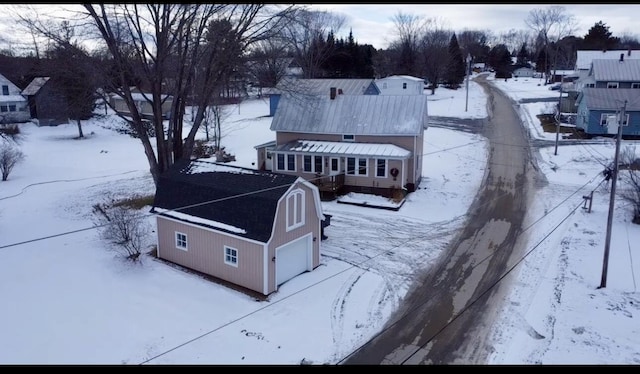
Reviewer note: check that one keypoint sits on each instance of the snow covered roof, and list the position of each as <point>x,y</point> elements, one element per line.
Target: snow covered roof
<point>584,58</point>
<point>12,98</point>
<point>345,148</point>
<point>323,86</point>
<point>34,86</point>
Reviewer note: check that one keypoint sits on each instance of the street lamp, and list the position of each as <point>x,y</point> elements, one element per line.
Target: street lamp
<point>466,104</point>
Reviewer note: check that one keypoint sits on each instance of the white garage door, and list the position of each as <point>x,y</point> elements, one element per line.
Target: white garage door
<point>292,259</point>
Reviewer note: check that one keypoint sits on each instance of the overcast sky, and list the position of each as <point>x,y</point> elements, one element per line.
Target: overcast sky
<point>373,24</point>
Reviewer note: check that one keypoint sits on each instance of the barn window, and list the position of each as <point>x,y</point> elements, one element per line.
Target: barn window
<point>230,256</point>
<point>295,209</point>
<point>181,241</point>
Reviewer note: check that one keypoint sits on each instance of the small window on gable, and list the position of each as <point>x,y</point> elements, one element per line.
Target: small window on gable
<point>230,256</point>
<point>181,241</point>
<point>295,209</point>
<point>348,137</point>
<point>404,86</point>
<point>612,84</point>
<point>5,90</point>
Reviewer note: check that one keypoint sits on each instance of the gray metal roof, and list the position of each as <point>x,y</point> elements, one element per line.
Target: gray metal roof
<point>344,148</point>
<point>584,58</point>
<point>616,70</point>
<point>392,115</point>
<point>322,86</point>
<point>35,86</point>
<point>611,98</point>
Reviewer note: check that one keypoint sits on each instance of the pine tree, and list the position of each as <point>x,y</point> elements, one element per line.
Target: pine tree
<point>599,37</point>
<point>456,68</point>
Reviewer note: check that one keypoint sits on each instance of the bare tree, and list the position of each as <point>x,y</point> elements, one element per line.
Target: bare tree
<point>552,24</point>
<point>306,33</point>
<point>123,227</point>
<point>435,52</point>
<point>631,193</point>
<point>410,29</point>
<point>10,156</point>
<point>268,62</point>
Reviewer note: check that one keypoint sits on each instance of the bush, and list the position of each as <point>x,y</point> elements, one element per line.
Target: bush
<point>10,155</point>
<point>122,227</point>
<point>202,150</point>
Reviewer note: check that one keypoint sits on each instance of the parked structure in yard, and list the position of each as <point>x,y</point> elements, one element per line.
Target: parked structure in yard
<point>47,104</point>
<point>343,143</point>
<point>143,102</point>
<point>13,106</point>
<point>255,229</point>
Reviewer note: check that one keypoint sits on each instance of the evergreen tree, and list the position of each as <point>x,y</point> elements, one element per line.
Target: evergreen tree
<point>522,56</point>
<point>500,60</point>
<point>456,68</point>
<point>599,37</point>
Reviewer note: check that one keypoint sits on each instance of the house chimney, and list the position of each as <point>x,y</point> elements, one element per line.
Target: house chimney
<point>332,93</point>
<point>621,57</point>
<point>629,52</point>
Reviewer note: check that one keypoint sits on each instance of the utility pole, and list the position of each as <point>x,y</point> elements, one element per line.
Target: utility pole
<point>614,178</point>
<point>466,104</point>
<point>558,120</point>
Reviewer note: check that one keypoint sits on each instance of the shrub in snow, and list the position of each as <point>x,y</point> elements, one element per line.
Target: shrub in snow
<point>10,155</point>
<point>123,227</point>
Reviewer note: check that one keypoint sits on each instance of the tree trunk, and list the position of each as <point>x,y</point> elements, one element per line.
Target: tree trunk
<point>80,134</point>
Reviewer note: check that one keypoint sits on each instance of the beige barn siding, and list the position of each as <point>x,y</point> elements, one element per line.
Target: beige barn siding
<point>205,253</point>
<point>281,236</point>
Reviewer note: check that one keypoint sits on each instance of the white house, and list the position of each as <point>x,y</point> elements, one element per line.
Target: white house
<point>400,85</point>
<point>13,106</point>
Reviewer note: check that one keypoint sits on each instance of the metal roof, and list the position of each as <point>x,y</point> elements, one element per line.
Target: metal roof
<point>344,148</point>
<point>611,98</point>
<point>616,70</point>
<point>584,58</point>
<point>323,86</point>
<point>392,115</point>
<point>35,86</point>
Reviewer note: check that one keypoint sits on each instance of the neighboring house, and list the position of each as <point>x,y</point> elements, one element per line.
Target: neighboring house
<point>47,104</point>
<point>523,72</point>
<point>343,143</point>
<point>400,85</point>
<point>598,108</point>
<point>13,106</point>
<point>143,102</point>
<point>304,87</point>
<point>613,74</point>
<point>254,229</point>
<point>584,58</point>
<point>479,67</point>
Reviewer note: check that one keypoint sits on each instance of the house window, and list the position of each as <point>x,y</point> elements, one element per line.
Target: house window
<point>12,107</point>
<point>295,209</point>
<point>181,241</point>
<point>381,168</point>
<point>590,85</point>
<point>335,164</point>
<point>635,85</point>
<point>4,108</point>
<point>5,90</point>
<point>286,162</point>
<point>312,164</point>
<point>357,166</point>
<point>404,86</point>
<point>348,138</point>
<point>612,84</point>
<point>384,85</point>
<point>230,256</point>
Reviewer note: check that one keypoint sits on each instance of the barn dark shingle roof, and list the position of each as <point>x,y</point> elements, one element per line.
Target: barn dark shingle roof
<point>240,197</point>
